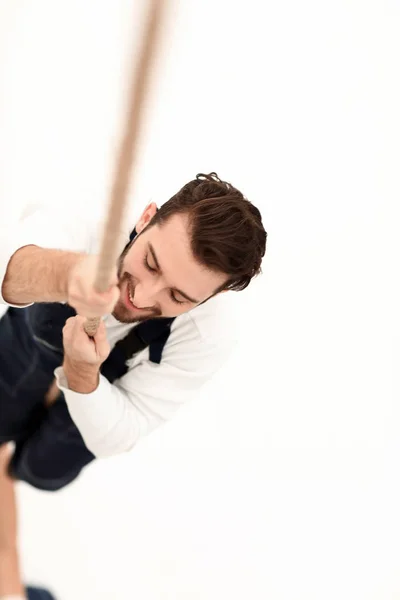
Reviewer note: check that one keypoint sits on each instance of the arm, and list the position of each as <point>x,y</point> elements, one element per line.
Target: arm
<point>38,275</point>
<point>113,417</point>
<point>82,380</point>
<point>35,249</point>
<point>53,258</point>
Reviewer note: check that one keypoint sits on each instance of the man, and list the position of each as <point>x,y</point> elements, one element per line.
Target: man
<point>166,290</point>
<point>164,332</point>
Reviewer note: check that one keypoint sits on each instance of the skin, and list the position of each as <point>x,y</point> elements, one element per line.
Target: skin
<point>165,280</point>
<point>155,293</point>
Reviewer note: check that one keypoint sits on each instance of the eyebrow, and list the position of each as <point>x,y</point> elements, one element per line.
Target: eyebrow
<point>154,255</point>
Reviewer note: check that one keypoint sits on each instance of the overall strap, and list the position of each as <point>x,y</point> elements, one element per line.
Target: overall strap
<point>153,333</point>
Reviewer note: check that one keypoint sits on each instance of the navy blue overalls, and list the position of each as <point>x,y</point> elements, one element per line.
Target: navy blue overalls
<point>50,451</point>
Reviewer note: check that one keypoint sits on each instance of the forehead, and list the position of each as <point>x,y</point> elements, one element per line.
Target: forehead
<point>173,233</point>
<point>171,243</point>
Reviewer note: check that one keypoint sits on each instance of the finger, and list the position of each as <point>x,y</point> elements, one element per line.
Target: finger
<point>68,326</point>
<point>113,280</point>
<point>100,339</point>
<point>101,332</point>
<point>79,319</point>
<point>103,349</point>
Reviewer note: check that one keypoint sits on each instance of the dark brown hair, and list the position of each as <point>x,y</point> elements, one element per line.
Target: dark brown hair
<point>227,234</point>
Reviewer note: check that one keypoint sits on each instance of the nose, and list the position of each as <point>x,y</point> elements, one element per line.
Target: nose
<point>146,294</point>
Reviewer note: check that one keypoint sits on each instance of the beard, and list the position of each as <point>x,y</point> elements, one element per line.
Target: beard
<point>122,312</point>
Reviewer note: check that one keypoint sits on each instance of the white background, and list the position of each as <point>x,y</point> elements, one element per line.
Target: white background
<point>282,480</point>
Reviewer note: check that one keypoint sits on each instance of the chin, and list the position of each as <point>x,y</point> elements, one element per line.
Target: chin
<point>124,315</point>
<point>126,312</point>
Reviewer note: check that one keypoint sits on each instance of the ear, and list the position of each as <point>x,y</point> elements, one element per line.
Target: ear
<point>146,217</point>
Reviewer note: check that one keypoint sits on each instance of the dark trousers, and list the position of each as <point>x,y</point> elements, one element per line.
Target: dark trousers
<point>50,451</point>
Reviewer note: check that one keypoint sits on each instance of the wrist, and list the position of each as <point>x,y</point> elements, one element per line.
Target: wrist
<point>81,378</point>
<point>70,260</point>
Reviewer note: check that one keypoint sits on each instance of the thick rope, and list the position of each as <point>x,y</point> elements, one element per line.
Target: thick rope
<point>127,152</point>
<point>125,161</point>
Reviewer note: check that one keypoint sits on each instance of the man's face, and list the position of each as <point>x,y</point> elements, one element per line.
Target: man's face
<point>159,273</point>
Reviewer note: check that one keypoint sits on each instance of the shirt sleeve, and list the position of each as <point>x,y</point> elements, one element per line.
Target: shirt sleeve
<point>45,227</point>
<point>114,417</point>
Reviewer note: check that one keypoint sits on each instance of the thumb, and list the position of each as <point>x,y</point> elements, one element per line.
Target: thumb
<point>101,331</point>
<point>102,345</point>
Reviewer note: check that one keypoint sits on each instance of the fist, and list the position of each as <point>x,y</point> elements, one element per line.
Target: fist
<point>81,351</point>
<point>81,293</point>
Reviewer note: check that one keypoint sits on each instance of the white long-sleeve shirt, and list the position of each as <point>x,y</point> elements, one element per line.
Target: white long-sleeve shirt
<point>115,416</point>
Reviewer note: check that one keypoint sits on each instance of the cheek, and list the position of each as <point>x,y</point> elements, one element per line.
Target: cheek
<point>133,264</point>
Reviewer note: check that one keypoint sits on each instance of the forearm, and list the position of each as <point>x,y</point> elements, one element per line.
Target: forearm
<point>37,274</point>
<point>80,379</point>
<point>107,419</point>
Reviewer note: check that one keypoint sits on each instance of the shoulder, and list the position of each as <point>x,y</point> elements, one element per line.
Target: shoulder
<point>200,343</point>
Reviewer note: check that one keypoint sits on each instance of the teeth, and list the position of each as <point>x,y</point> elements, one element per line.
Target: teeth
<point>130,295</point>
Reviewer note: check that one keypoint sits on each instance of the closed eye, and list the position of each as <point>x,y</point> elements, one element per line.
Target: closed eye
<point>175,299</point>
<point>148,267</point>
<point>155,270</point>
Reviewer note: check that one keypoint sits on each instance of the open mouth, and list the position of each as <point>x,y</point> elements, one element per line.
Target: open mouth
<point>129,298</point>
